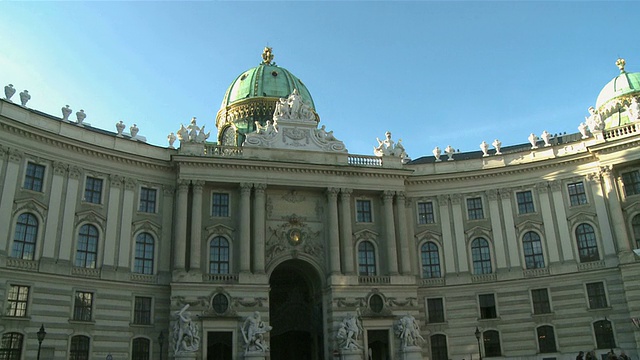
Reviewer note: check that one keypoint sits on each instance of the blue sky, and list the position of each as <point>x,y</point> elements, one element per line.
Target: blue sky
<point>432,73</point>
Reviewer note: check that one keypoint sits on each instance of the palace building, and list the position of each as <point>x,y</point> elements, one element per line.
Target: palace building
<point>272,241</point>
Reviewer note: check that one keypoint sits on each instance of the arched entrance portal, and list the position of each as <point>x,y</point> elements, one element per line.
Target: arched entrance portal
<point>295,312</point>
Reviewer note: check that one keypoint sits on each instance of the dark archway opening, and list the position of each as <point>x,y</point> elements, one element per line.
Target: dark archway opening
<point>295,312</point>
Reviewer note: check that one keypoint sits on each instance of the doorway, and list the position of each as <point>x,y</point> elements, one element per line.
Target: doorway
<point>378,344</point>
<point>295,312</point>
<point>219,345</point>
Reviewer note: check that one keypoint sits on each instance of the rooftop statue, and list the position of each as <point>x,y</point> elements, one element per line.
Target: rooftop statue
<point>293,108</point>
<point>9,90</point>
<point>24,97</point>
<point>449,150</point>
<point>436,153</point>
<point>546,137</point>
<point>583,130</point>
<point>171,138</point>
<point>620,63</point>
<point>388,147</point>
<point>485,148</point>
<point>594,121</point>
<point>133,130</point>
<point>185,333</point>
<point>253,330</point>
<point>533,140</point>
<point>66,112</point>
<point>192,133</point>
<point>497,144</point>
<point>634,110</point>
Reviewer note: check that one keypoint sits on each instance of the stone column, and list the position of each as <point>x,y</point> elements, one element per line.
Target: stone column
<point>180,254</point>
<point>458,228</point>
<point>447,235</point>
<point>405,242</point>
<point>615,209</point>
<point>53,216</point>
<point>608,242</point>
<point>8,194</point>
<point>69,214</point>
<point>126,250</point>
<point>346,232</point>
<point>334,237</point>
<point>390,232</point>
<point>196,225</point>
<point>561,216</point>
<point>113,220</point>
<point>496,227</point>
<point>547,219</point>
<point>513,254</point>
<point>164,242</point>
<point>259,223</point>
<point>245,228</point>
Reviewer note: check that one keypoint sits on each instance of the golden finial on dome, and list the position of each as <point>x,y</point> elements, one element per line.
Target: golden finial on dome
<point>620,64</point>
<point>267,56</point>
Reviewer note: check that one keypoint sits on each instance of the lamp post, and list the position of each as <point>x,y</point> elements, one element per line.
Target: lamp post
<point>41,334</point>
<point>161,341</point>
<point>478,335</point>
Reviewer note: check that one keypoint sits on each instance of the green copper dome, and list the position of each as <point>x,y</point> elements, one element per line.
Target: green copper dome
<point>251,99</point>
<point>623,84</point>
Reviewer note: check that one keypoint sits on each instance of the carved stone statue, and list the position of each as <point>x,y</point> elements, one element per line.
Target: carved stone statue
<point>133,130</point>
<point>594,121</point>
<point>293,108</point>
<point>253,330</point>
<point>185,333</point>
<point>583,130</point>
<point>545,136</point>
<point>24,97</point>
<point>193,129</point>
<point>66,112</point>
<point>634,110</point>
<point>183,133</point>
<point>349,333</point>
<point>9,90</point>
<point>171,138</point>
<point>202,136</point>
<point>120,128</point>
<point>497,144</point>
<point>408,331</point>
<point>80,116</point>
<point>449,150</point>
<point>533,139</point>
<point>436,153</point>
<point>388,147</point>
<point>485,148</point>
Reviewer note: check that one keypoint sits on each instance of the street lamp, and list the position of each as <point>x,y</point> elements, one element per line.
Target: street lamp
<point>478,335</point>
<point>41,334</point>
<point>161,341</point>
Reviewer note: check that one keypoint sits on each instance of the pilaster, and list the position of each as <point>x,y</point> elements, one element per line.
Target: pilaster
<point>124,256</point>
<point>259,223</point>
<point>547,219</point>
<point>113,219</point>
<point>458,228</point>
<point>181,225</point>
<point>405,243</point>
<point>447,235</point>
<point>69,212</point>
<point>496,226</point>
<point>8,195</point>
<point>390,232</point>
<point>245,228</point>
<point>561,215</point>
<point>334,236</point>
<point>346,232</point>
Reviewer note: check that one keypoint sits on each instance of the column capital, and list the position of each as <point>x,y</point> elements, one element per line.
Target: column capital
<point>3,152</point>
<point>116,180</point>
<point>593,178</point>
<point>74,172</point>
<point>606,170</point>
<point>183,184</point>
<point>260,187</point>
<point>492,194</point>
<point>401,196</point>
<point>456,199</point>
<point>505,194</point>
<point>15,155</point>
<point>130,183</point>
<point>59,168</point>
<point>555,185</point>
<point>245,188</point>
<point>168,190</point>
<point>387,195</point>
<point>197,184</point>
<point>442,199</point>
<point>332,192</point>
<point>346,192</point>
<point>542,187</point>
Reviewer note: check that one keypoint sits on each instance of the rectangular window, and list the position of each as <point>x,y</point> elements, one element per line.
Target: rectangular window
<point>597,296</point>
<point>435,310</point>
<point>82,306</point>
<point>425,213</point>
<point>34,177</point>
<point>474,208</point>
<point>363,211</point>
<point>540,300</point>
<point>631,181</point>
<point>577,195</point>
<point>93,190</point>
<point>142,310</point>
<point>220,205</point>
<point>525,202</point>
<point>17,301</point>
<point>487,306</point>
<point>147,200</point>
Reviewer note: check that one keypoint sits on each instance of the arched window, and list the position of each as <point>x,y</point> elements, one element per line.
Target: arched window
<point>546,339</point>
<point>636,230</point>
<point>219,256</point>
<point>11,346</point>
<point>532,246</point>
<point>491,339</point>
<point>366,259</point>
<point>481,256</point>
<point>430,260</point>
<point>604,334</point>
<point>140,349</point>
<point>24,240</point>
<point>439,347</point>
<point>587,247</point>
<point>87,251</point>
<point>143,263</point>
<point>79,349</point>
